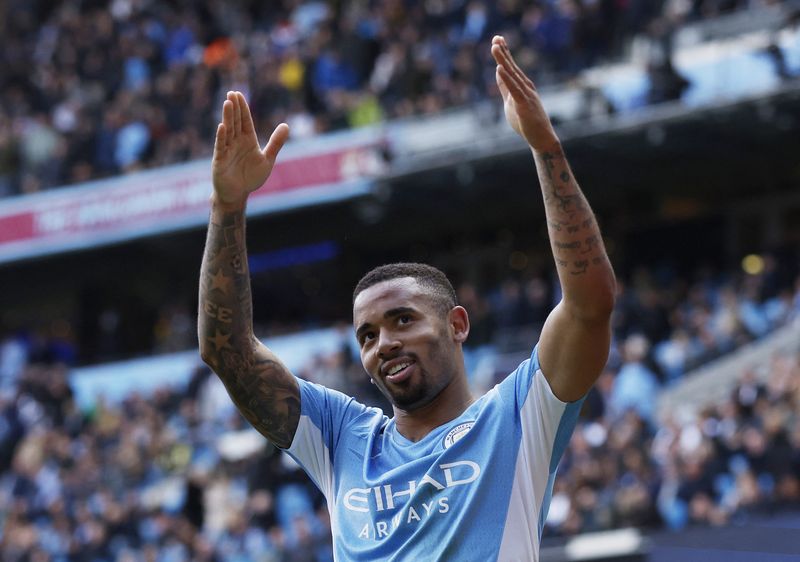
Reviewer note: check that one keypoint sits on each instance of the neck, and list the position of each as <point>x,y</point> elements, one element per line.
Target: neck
<point>450,403</point>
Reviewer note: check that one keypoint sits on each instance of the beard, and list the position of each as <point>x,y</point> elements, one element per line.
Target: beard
<point>427,382</point>
<point>411,395</point>
<point>419,390</point>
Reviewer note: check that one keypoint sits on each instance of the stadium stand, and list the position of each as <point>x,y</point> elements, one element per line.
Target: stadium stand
<point>103,460</point>
<point>178,476</point>
<point>95,89</point>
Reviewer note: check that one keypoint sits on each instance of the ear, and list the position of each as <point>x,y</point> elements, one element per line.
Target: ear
<point>459,323</point>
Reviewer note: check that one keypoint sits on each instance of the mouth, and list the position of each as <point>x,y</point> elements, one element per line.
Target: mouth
<point>399,371</point>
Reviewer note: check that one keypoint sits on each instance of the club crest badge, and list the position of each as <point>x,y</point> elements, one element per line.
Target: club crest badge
<point>457,433</point>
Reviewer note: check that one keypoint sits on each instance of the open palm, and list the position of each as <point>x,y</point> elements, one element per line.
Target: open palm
<point>240,166</point>
<point>523,107</point>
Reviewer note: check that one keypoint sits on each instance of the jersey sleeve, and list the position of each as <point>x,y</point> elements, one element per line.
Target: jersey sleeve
<point>546,425</point>
<point>549,420</point>
<point>324,415</point>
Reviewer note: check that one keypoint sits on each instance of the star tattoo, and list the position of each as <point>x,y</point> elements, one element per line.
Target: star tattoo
<point>220,281</point>
<point>220,340</point>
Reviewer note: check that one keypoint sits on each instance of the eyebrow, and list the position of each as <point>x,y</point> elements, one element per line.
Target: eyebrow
<point>391,313</point>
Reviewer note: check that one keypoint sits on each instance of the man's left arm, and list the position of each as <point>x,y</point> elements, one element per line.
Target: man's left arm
<point>575,339</point>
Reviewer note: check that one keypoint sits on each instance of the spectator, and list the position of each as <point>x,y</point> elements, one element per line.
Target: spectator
<point>146,477</point>
<point>635,387</point>
<point>69,120</point>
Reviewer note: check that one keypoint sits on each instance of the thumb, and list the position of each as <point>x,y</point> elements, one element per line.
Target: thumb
<point>276,141</point>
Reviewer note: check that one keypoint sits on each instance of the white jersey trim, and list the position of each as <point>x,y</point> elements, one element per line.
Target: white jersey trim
<point>308,448</point>
<point>541,416</point>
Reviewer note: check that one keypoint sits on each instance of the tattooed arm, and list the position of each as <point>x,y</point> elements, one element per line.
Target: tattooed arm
<point>575,339</point>
<point>262,388</point>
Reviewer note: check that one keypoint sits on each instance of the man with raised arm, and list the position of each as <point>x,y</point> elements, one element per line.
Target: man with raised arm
<point>450,476</point>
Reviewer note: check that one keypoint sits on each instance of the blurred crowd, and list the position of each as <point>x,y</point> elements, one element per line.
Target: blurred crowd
<point>96,88</point>
<point>178,475</point>
<point>738,461</point>
<point>169,478</point>
<point>735,460</point>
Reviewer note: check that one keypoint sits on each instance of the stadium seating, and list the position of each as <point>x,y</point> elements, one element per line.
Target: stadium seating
<point>147,459</point>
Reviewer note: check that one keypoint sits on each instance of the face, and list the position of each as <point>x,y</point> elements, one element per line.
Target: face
<point>410,348</point>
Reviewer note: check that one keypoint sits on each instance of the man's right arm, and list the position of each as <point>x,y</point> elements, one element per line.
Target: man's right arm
<point>263,389</point>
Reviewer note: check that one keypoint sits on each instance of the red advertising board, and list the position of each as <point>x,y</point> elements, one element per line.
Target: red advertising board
<point>175,197</point>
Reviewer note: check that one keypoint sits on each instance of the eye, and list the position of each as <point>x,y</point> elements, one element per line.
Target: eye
<point>367,337</point>
<point>404,319</point>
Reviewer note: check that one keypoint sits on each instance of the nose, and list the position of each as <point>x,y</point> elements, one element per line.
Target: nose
<point>388,344</point>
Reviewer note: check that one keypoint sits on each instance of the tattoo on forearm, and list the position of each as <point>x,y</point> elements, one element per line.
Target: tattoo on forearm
<point>263,390</point>
<point>268,402</point>
<point>574,235</point>
<point>547,158</point>
<point>219,340</point>
<point>567,245</point>
<point>580,267</point>
<point>591,243</point>
<point>221,282</point>
<point>237,264</point>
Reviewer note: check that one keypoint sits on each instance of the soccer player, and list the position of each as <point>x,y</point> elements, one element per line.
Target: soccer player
<point>450,476</point>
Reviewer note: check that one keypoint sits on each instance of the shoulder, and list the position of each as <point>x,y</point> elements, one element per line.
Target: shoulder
<point>321,403</point>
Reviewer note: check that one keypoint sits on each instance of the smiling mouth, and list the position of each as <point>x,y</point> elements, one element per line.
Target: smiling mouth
<point>400,372</point>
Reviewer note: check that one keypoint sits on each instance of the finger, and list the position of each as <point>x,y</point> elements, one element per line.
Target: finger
<point>507,60</point>
<point>276,141</point>
<point>502,55</point>
<point>220,141</point>
<point>247,118</point>
<point>497,50</point>
<point>513,86</point>
<point>497,54</point>
<point>237,112</point>
<point>514,68</point>
<point>227,120</point>
<point>501,84</point>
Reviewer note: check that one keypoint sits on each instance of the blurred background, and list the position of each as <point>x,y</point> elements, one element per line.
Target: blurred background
<point>681,119</point>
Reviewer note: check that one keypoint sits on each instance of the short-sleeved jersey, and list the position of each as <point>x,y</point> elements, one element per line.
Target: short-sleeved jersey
<point>476,488</point>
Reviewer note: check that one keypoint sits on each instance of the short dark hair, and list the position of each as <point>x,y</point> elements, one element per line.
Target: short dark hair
<point>435,283</point>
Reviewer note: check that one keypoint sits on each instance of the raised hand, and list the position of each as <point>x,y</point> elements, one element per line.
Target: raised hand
<point>240,166</point>
<point>523,107</point>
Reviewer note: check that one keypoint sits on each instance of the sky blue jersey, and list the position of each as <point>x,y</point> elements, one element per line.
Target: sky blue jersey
<point>476,488</point>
